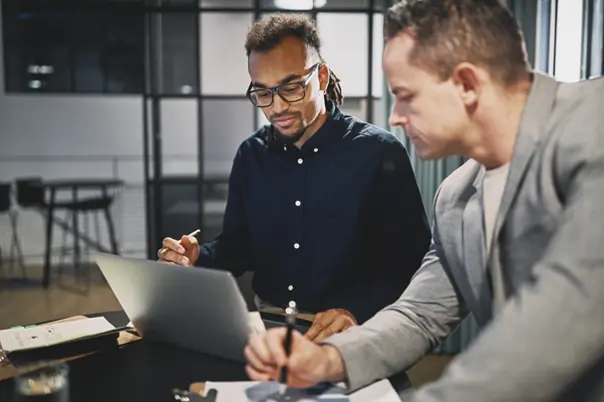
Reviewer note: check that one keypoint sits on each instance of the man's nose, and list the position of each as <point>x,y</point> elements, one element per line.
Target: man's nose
<point>398,120</point>
<point>279,104</point>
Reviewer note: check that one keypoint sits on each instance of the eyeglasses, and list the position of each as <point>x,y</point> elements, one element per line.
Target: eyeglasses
<point>290,92</point>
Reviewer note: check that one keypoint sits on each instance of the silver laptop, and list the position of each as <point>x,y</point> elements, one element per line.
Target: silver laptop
<point>198,309</point>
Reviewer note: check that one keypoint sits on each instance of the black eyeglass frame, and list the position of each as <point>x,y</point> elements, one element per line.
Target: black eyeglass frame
<point>275,90</point>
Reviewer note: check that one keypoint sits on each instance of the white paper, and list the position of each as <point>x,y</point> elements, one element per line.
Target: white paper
<point>256,323</point>
<point>250,391</point>
<point>380,391</point>
<point>22,338</point>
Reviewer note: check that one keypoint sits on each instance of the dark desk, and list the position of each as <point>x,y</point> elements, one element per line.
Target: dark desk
<point>74,185</point>
<point>84,184</point>
<point>141,371</point>
<point>146,371</point>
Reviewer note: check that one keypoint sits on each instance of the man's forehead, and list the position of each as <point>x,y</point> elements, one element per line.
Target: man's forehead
<point>398,49</point>
<point>279,65</point>
<point>402,74</point>
<point>270,74</point>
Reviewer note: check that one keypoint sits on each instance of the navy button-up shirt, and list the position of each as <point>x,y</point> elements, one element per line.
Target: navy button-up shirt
<point>338,223</point>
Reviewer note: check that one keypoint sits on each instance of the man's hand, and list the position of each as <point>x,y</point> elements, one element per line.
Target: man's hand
<point>183,252</point>
<point>307,365</point>
<point>330,322</point>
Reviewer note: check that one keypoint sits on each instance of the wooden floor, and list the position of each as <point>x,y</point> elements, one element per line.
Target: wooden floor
<point>26,303</point>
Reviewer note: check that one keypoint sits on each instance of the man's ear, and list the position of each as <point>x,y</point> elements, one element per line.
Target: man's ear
<point>466,78</point>
<point>323,77</point>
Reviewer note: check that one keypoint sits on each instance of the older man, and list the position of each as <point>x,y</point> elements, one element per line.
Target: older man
<point>518,230</point>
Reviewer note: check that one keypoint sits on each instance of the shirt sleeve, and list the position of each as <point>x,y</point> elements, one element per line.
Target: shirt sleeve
<point>231,249</point>
<point>399,335</point>
<point>402,235</point>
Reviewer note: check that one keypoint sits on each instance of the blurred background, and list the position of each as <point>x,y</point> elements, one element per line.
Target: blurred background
<point>119,120</point>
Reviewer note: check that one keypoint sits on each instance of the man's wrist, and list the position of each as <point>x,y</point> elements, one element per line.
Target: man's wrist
<point>334,370</point>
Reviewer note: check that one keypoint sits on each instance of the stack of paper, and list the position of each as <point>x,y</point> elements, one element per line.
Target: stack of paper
<point>250,391</point>
<point>32,337</point>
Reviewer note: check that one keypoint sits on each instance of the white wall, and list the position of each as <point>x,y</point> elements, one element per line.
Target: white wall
<point>101,136</point>
<point>83,128</point>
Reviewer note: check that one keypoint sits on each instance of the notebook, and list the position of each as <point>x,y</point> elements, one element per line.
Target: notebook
<point>251,391</point>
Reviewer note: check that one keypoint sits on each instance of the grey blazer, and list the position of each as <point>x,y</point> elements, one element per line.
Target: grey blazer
<point>547,343</point>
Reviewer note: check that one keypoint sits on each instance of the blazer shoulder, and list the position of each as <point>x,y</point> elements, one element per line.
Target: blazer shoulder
<point>455,184</point>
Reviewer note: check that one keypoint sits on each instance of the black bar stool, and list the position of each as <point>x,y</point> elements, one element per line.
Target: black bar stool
<point>87,207</point>
<point>31,194</point>
<point>15,251</point>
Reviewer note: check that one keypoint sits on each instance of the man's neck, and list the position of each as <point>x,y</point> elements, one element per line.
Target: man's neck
<point>498,128</point>
<point>312,128</point>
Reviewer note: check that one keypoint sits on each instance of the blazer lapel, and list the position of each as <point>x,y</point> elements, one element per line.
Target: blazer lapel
<point>474,258</point>
<point>534,119</point>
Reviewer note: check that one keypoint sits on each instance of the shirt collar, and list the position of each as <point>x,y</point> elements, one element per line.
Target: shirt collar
<point>330,132</point>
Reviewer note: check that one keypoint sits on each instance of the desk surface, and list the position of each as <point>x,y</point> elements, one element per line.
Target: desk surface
<point>141,371</point>
<point>82,183</point>
<point>144,371</point>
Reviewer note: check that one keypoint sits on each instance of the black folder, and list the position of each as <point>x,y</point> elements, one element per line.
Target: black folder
<point>76,347</point>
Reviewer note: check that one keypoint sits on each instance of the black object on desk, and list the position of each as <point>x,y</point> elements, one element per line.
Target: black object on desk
<point>140,371</point>
<point>276,321</point>
<point>63,350</point>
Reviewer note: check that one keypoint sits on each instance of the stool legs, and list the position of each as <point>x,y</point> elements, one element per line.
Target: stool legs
<point>64,248</point>
<point>15,246</point>
<point>1,264</point>
<point>111,230</point>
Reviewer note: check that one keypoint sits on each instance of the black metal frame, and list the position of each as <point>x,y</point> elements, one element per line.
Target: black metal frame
<point>586,56</point>
<point>589,32</point>
<point>153,90</point>
<point>153,187</point>
<point>542,47</point>
<point>553,38</point>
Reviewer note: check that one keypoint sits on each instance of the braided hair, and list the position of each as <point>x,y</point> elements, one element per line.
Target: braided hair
<point>267,33</point>
<point>333,92</point>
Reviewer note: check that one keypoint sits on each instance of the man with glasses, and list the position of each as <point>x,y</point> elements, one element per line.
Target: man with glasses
<point>323,207</point>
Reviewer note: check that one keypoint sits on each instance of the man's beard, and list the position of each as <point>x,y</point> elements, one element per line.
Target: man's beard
<point>289,139</point>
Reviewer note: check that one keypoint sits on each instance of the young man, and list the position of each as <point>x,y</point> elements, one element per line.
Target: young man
<point>323,207</point>
<point>518,230</point>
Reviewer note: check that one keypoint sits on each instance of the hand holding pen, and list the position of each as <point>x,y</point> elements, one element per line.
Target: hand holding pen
<point>291,359</point>
<point>183,252</point>
<point>290,321</point>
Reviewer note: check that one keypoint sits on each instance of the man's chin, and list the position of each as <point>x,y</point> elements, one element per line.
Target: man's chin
<point>289,137</point>
<point>427,154</point>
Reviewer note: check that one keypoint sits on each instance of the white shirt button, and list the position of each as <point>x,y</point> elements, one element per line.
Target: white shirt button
<point>316,150</point>
<point>300,160</point>
<point>296,246</point>
<point>298,203</point>
<point>285,147</point>
<point>290,288</point>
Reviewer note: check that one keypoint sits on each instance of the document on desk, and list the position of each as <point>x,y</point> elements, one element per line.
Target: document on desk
<point>250,391</point>
<point>32,337</point>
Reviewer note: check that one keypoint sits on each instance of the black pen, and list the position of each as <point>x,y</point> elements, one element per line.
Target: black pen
<point>290,321</point>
